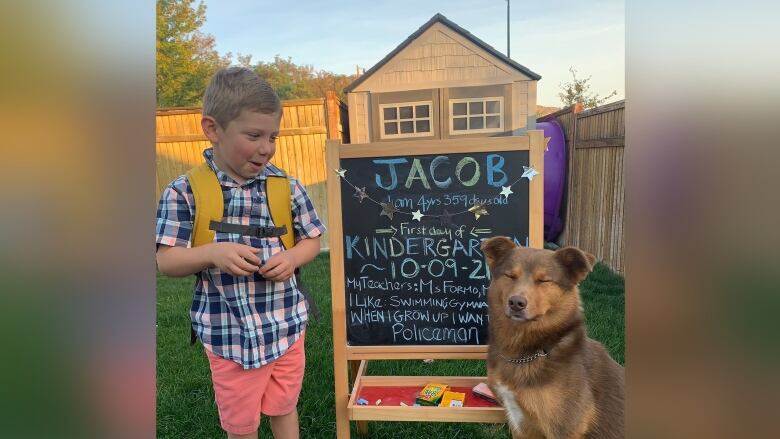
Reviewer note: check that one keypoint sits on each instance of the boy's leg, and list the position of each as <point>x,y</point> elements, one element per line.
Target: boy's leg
<point>280,399</point>
<point>238,393</point>
<point>285,426</point>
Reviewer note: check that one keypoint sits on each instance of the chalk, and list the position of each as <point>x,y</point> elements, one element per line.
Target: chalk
<point>404,404</point>
<point>362,401</point>
<point>378,401</point>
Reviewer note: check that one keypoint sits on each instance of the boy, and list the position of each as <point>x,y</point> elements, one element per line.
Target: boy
<point>247,309</point>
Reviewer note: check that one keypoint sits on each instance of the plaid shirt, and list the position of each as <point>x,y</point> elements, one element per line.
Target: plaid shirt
<point>247,319</point>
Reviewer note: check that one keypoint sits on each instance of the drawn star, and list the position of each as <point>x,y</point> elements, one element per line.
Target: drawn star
<point>360,194</point>
<point>340,172</point>
<point>506,191</point>
<point>388,210</point>
<point>478,210</point>
<point>529,173</point>
<point>417,215</point>
<point>446,219</point>
<point>547,143</point>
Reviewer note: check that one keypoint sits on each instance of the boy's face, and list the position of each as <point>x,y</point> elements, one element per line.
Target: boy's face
<point>245,145</point>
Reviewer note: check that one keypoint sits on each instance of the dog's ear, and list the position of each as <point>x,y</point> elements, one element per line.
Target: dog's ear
<point>495,249</point>
<point>576,264</point>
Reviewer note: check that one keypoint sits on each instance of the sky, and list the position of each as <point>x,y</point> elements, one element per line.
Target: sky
<point>339,35</point>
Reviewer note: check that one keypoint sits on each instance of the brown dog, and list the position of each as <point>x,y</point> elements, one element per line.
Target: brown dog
<point>553,381</point>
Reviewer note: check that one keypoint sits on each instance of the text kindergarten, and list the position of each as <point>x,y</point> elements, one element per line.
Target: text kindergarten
<point>423,281</point>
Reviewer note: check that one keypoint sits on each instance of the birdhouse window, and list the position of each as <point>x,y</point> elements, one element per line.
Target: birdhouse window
<point>407,119</point>
<point>479,115</point>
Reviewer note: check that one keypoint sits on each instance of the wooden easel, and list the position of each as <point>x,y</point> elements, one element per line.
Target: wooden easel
<point>350,362</point>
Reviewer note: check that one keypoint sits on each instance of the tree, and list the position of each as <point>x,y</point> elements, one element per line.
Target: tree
<point>325,81</point>
<point>578,90</point>
<point>292,81</point>
<point>186,58</point>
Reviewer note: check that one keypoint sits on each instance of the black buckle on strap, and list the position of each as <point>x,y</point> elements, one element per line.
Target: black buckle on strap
<point>267,232</point>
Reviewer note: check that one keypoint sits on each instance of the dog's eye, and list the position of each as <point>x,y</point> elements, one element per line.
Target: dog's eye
<point>544,280</point>
<point>510,275</point>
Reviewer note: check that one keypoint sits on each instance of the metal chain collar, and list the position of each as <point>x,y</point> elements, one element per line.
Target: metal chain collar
<point>524,360</point>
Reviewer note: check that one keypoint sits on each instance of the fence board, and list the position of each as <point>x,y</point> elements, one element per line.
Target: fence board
<point>593,207</point>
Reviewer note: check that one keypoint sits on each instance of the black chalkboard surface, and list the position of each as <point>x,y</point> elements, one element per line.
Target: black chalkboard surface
<point>413,270</point>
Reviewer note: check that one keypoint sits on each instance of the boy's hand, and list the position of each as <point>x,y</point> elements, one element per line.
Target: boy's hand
<point>279,267</point>
<point>234,258</point>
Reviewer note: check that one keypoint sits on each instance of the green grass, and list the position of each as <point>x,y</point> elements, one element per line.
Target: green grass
<point>185,399</point>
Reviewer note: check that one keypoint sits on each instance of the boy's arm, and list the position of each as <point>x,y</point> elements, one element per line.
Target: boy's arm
<point>234,258</point>
<point>182,261</point>
<point>305,251</point>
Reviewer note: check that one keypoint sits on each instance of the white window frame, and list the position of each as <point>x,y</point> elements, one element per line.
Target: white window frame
<point>414,119</point>
<point>484,100</point>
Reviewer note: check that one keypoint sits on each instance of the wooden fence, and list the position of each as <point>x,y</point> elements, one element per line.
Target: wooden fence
<point>594,198</point>
<point>300,149</point>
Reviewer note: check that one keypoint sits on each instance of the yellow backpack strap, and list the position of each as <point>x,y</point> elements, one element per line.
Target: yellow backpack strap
<point>209,203</point>
<point>280,207</point>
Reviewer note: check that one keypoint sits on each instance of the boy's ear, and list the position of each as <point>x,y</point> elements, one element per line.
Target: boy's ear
<point>576,264</point>
<point>495,249</point>
<point>209,126</point>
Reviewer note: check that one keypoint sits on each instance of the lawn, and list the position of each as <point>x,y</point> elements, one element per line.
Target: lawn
<point>185,400</point>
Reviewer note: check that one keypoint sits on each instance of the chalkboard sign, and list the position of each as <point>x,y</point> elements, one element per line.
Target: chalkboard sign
<point>411,228</point>
<point>408,278</point>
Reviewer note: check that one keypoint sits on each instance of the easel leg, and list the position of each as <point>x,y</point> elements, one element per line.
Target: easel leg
<point>342,399</point>
<point>354,365</point>
<point>341,375</point>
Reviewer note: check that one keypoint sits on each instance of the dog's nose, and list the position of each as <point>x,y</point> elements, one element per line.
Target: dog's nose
<point>517,303</point>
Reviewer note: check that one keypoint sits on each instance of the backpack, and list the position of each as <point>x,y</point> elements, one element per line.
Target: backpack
<point>209,205</point>
<point>209,209</point>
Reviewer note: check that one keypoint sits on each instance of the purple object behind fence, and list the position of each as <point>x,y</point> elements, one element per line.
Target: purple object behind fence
<point>554,178</point>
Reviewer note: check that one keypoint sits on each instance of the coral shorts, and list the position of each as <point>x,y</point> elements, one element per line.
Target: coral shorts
<point>242,394</point>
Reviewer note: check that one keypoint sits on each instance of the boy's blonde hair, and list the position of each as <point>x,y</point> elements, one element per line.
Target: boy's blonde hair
<point>234,89</point>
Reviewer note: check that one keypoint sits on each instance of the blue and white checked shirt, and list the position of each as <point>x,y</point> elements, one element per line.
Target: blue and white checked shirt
<point>247,319</point>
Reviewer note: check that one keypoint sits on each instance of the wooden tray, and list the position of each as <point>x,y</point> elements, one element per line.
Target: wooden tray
<point>392,390</point>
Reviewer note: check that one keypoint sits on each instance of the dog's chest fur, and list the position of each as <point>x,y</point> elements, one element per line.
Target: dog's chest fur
<point>532,404</point>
